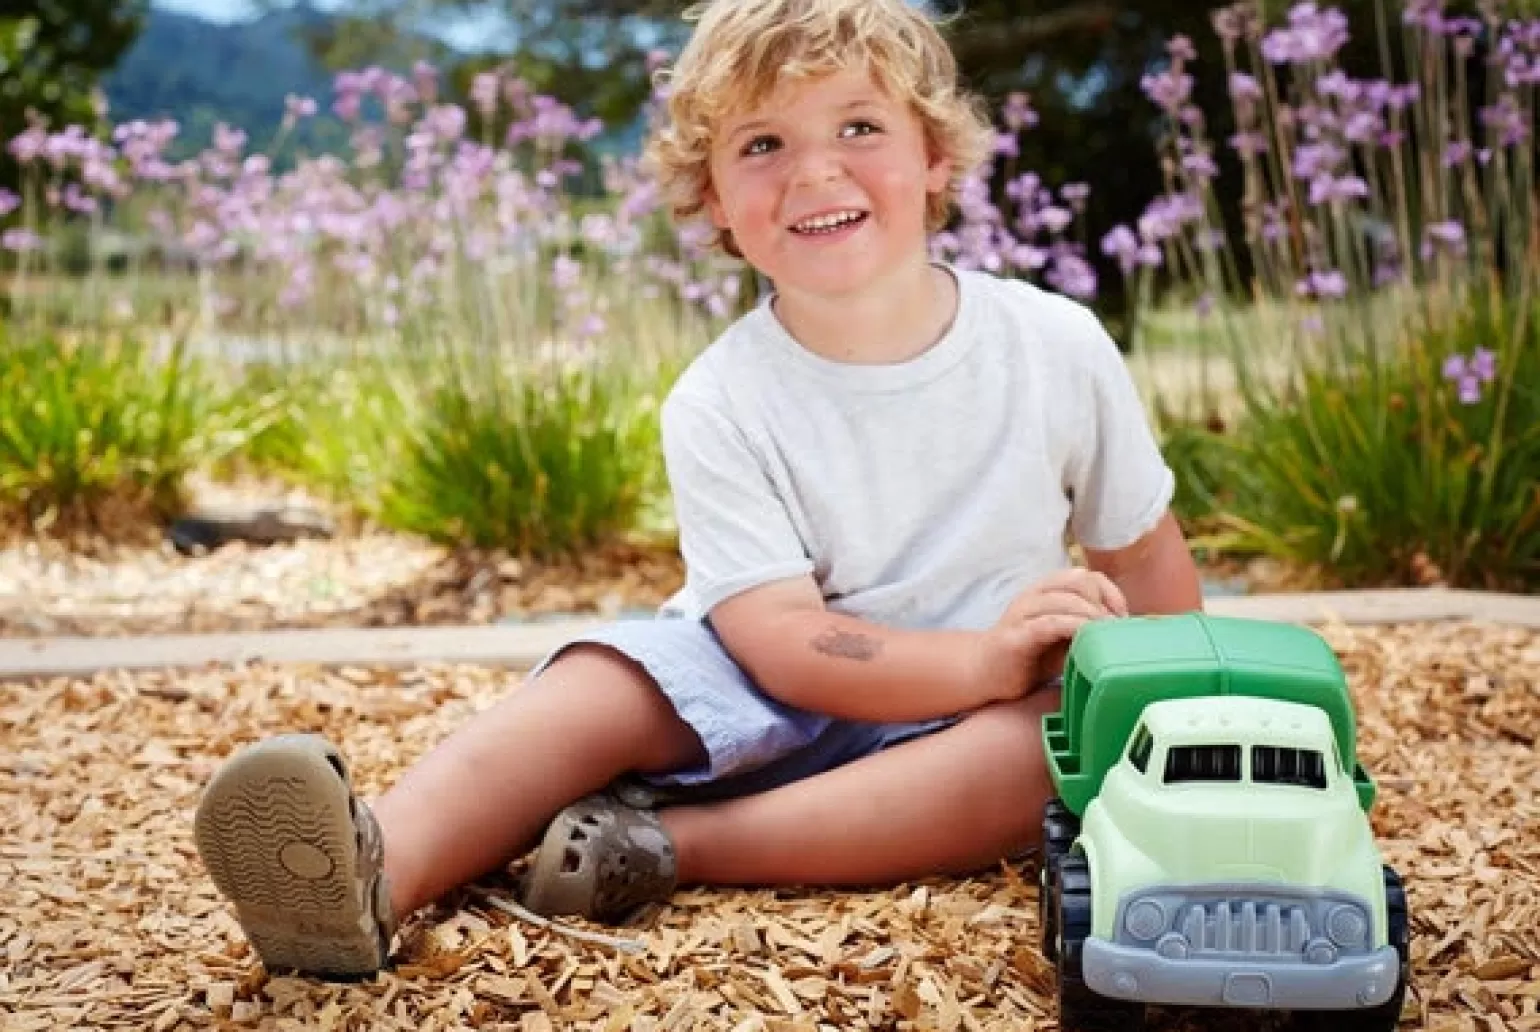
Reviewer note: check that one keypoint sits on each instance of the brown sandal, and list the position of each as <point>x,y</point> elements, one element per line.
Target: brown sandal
<point>601,859</point>
<point>286,841</point>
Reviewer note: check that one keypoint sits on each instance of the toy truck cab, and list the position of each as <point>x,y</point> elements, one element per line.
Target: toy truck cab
<point>1209,845</point>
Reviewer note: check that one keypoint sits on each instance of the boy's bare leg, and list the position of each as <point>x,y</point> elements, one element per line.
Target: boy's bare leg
<point>485,794</point>
<point>951,802</point>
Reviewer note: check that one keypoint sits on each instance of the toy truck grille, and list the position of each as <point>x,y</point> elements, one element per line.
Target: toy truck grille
<point>1245,927</point>
<point>1178,924</point>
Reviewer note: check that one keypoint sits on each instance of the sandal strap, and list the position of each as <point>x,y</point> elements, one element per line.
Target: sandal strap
<point>371,868</point>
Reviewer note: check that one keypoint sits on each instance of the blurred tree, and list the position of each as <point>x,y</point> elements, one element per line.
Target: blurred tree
<point>52,54</point>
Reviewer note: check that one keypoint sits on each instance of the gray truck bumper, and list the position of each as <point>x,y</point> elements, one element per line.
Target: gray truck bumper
<point>1131,973</point>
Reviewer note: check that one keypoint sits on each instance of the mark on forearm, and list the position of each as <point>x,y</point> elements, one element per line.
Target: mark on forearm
<point>847,644</point>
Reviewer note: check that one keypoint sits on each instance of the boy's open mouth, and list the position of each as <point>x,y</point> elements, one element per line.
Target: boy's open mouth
<point>829,222</point>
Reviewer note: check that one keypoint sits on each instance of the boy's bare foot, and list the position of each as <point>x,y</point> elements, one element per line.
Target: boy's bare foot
<point>284,838</point>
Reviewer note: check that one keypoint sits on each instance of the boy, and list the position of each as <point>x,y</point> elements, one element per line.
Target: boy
<point>873,473</point>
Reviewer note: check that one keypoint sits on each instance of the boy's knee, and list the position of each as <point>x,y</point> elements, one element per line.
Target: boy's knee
<point>617,692</point>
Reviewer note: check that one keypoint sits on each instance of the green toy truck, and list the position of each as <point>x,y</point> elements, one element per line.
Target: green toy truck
<point>1209,844</point>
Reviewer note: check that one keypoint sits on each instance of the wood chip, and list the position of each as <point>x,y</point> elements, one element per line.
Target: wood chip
<point>110,921</point>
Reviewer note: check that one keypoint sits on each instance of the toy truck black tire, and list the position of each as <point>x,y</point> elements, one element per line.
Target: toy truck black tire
<point>1060,828</point>
<point>1080,1008</point>
<point>1387,1016</point>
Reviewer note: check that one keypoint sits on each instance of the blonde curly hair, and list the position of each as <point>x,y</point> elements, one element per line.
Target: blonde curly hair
<point>742,49</point>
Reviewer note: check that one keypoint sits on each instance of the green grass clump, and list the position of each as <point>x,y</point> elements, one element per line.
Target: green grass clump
<point>542,463</point>
<point>92,426</point>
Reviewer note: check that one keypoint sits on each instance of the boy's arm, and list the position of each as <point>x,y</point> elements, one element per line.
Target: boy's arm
<point>1156,573</point>
<point>802,654</point>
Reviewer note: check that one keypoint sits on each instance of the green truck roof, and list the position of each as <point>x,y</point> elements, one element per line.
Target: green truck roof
<point>1118,667</point>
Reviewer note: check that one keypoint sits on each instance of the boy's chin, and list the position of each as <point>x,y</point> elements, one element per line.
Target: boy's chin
<point>831,278</point>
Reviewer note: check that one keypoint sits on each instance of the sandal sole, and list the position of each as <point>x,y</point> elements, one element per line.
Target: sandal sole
<point>277,836</point>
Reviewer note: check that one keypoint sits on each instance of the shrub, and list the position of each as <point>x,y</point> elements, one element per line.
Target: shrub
<point>90,427</point>
<point>1385,348</point>
<point>540,463</point>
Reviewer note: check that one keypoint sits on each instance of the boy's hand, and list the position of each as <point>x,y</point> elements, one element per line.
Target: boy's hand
<point>1030,641</point>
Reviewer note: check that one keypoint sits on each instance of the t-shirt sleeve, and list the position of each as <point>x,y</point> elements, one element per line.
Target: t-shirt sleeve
<point>735,531</point>
<point>1120,485</point>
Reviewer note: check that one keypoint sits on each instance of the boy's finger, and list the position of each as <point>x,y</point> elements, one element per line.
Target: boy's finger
<point>1089,584</point>
<point>1054,603</point>
<point>1111,595</point>
<point>1053,629</point>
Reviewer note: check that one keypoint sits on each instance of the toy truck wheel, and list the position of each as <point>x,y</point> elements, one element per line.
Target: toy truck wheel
<point>1080,1008</point>
<point>1387,1016</point>
<point>1060,829</point>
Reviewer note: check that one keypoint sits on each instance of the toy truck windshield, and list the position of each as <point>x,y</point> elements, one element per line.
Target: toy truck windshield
<point>1219,762</point>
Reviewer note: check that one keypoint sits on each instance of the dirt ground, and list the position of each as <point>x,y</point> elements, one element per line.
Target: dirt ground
<point>107,919</point>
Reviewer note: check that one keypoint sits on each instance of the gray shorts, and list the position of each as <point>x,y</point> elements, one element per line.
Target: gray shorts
<point>753,743</point>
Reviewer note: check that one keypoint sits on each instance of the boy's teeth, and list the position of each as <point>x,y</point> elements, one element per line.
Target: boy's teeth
<point>825,222</point>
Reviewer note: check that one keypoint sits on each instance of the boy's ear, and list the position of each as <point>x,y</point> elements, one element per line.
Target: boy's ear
<point>714,207</point>
<point>939,172</point>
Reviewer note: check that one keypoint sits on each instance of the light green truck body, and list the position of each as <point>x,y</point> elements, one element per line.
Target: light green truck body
<point>1209,771</point>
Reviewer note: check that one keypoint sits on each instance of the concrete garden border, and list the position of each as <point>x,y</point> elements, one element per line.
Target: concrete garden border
<point>519,646</point>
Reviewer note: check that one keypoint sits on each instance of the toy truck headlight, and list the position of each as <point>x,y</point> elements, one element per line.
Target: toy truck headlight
<point>1145,919</point>
<point>1347,926</point>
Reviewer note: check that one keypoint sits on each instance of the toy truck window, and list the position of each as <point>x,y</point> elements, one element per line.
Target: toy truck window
<point>1277,765</point>
<point>1139,749</point>
<point>1203,763</point>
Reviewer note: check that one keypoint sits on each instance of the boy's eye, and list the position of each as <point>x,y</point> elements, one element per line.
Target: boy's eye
<point>760,145</point>
<point>860,127</point>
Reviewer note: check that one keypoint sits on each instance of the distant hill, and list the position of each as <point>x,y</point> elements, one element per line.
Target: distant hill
<point>200,73</point>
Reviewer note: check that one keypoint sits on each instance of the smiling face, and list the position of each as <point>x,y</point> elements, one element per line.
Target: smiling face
<point>824,185</point>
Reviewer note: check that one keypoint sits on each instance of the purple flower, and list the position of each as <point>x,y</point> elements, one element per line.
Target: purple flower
<point>1326,189</point>
<point>1363,127</point>
<point>1249,144</point>
<point>1484,364</point>
<point>1122,244</point>
<point>1427,14</point>
<point>1169,90</point>
<point>77,200</point>
<point>1327,284</point>
<point>1227,24</point>
<point>1314,160</point>
<point>1507,119</point>
<point>1200,166</point>
<point>9,202</point>
<point>1018,113</point>
<point>20,240</point>
<point>1449,234</point>
<point>485,88</point>
<point>1469,373</point>
<point>1181,49</point>
<point>1073,276</point>
<point>1312,36</point>
<point>565,273</point>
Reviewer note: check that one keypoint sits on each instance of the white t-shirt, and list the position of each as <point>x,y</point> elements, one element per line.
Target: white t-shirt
<point>922,494</point>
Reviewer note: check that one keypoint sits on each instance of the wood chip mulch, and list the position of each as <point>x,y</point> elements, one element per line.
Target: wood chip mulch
<point>107,919</point>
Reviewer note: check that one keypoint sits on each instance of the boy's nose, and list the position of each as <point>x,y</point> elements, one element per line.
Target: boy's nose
<point>817,166</point>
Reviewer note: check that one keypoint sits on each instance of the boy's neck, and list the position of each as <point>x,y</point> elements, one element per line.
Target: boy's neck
<point>896,320</point>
